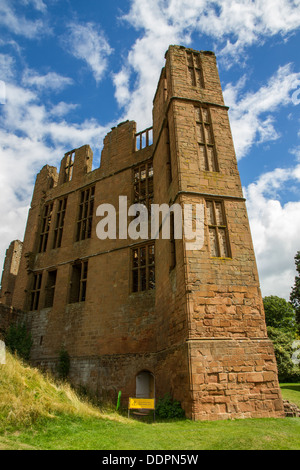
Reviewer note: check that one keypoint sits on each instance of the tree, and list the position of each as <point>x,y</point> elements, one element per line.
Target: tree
<point>295,294</point>
<point>279,313</point>
<point>283,348</point>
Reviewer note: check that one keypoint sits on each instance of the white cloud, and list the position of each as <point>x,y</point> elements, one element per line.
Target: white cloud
<point>33,134</point>
<point>62,108</point>
<point>19,24</point>
<point>50,81</point>
<point>37,4</point>
<point>232,24</point>
<point>251,115</point>
<point>241,23</point>
<point>275,229</point>
<point>7,65</point>
<point>87,42</point>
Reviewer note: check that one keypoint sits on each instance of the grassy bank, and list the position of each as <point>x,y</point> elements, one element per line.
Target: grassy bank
<point>36,413</point>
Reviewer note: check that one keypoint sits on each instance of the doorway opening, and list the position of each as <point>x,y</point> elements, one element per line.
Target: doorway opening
<point>145,385</point>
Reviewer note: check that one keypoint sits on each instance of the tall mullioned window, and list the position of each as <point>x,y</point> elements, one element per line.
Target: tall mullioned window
<point>85,216</point>
<point>59,223</point>
<point>35,291</point>
<point>143,268</point>
<point>205,139</point>
<point>143,184</point>
<point>218,232</point>
<point>195,69</point>
<point>46,223</point>
<point>78,282</point>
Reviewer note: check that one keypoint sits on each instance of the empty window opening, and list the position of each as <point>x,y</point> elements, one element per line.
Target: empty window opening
<point>35,291</point>
<point>85,216</point>
<point>195,69</point>
<point>143,268</point>
<point>143,185</point>
<point>59,223</point>
<point>205,139</point>
<point>46,223</point>
<point>69,166</point>
<point>50,289</point>
<point>144,139</point>
<point>145,385</point>
<point>165,89</point>
<point>218,233</point>
<point>78,282</point>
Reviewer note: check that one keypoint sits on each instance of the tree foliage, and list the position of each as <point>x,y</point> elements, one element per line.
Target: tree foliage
<point>283,348</point>
<point>295,294</point>
<point>279,313</point>
<point>282,331</point>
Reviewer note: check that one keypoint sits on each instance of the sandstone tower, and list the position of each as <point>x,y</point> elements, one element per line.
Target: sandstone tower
<point>150,317</point>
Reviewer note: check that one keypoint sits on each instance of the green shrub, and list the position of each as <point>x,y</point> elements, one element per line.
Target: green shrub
<point>167,408</point>
<point>63,366</point>
<point>18,340</point>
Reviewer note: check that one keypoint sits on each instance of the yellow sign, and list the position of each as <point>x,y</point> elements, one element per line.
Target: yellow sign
<point>141,403</point>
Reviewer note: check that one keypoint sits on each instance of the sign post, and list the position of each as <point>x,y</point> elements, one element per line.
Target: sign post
<point>141,404</point>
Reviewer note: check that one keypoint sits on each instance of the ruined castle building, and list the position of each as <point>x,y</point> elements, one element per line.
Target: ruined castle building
<point>10,272</point>
<point>150,317</point>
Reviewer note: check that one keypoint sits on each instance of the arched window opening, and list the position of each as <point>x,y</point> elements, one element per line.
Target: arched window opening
<point>145,385</point>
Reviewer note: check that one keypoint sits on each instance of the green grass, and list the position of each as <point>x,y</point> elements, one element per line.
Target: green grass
<point>36,413</point>
<point>71,433</point>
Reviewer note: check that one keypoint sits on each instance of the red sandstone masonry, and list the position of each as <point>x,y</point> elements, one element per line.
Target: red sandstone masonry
<point>201,332</point>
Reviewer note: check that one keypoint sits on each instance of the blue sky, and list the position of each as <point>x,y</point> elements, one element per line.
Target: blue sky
<point>71,70</point>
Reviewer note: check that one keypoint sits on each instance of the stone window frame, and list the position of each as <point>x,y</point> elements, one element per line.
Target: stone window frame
<point>219,227</point>
<point>139,263</point>
<point>59,224</point>
<point>207,152</point>
<point>169,157</point>
<point>85,214</point>
<point>78,281</point>
<point>35,292</point>
<point>172,242</point>
<point>143,194</point>
<point>45,227</point>
<point>69,166</point>
<point>50,288</point>
<point>195,69</point>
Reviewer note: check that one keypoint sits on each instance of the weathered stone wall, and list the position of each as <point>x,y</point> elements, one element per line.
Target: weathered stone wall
<point>201,331</point>
<point>9,316</point>
<point>234,379</point>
